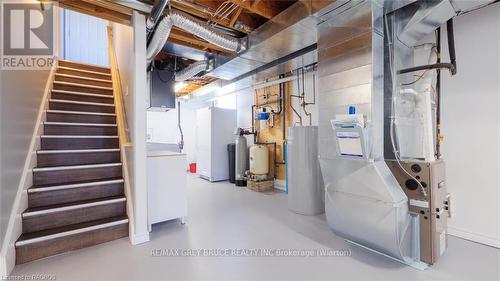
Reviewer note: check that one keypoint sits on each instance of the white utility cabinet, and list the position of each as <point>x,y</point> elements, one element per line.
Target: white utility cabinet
<point>215,129</point>
<point>167,186</point>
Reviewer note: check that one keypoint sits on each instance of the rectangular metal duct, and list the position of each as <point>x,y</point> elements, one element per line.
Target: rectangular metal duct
<point>290,31</point>
<point>364,202</point>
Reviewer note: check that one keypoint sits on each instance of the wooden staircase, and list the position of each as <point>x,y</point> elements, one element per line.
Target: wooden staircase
<point>77,199</point>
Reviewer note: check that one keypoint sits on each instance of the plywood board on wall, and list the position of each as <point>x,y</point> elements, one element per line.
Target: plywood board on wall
<point>264,98</point>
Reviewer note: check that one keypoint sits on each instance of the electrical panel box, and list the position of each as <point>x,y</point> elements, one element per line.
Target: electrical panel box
<point>162,90</point>
<point>431,205</point>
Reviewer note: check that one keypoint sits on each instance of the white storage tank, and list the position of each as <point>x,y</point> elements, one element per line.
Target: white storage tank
<point>259,159</point>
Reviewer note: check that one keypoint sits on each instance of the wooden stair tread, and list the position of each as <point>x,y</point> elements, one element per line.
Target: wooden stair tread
<point>82,70</point>
<point>72,183</point>
<point>42,233</point>
<point>77,199</point>
<point>76,167</point>
<point>79,65</point>
<point>55,206</point>
<point>83,77</point>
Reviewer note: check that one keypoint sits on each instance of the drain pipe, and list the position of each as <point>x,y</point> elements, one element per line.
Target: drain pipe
<point>154,16</point>
<point>194,27</point>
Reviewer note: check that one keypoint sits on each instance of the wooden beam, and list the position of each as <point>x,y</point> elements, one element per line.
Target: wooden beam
<point>96,11</point>
<point>111,6</point>
<point>255,3</point>
<point>235,17</point>
<point>263,10</point>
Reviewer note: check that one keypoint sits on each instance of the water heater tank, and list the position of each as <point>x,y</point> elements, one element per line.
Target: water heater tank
<point>259,159</point>
<point>306,191</point>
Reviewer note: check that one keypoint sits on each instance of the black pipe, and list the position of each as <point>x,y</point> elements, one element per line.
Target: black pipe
<point>438,95</point>
<point>451,44</point>
<point>443,65</point>
<point>451,66</point>
<point>154,16</point>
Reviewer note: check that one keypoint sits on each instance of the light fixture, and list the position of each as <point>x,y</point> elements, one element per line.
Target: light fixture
<point>179,86</point>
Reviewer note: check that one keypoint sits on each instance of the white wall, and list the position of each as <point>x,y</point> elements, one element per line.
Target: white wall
<point>244,102</point>
<point>130,48</point>
<point>163,126</point>
<point>84,38</point>
<point>471,126</point>
<point>21,94</point>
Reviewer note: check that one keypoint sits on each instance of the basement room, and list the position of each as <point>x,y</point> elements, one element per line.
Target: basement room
<point>250,140</point>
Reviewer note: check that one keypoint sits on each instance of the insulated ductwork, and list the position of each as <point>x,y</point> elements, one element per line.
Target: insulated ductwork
<point>155,14</point>
<point>192,70</point>
<point>192,26</point>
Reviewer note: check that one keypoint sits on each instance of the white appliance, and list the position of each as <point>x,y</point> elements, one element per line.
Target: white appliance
<point>167,185</point>
<point>214,131</point>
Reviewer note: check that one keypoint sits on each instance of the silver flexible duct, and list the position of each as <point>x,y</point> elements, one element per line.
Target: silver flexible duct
<point>191,70</point>
<point>154,16</point>
<point>159,38</point>
<point>192,26</point>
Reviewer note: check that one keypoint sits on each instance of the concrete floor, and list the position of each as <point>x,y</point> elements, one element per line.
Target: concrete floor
<point>224,216</point>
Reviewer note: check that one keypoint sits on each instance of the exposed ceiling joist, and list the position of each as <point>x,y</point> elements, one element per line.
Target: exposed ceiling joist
<point>260,8</point>
<point>110,6</point>
<point>203,15</point>
<point>235,16</point>
<point>90,8</point>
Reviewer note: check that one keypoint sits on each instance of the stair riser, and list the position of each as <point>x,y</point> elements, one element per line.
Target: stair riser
<point>79,130</point>
<point>81,107</point>
<point>47,198</point>
<point>64,96</point>
<point>84,66</point>
<point>68,159</point>
<point>59,219</point>
<point>76,175</point>
<point>83,81</point>
<point>84,89</point>
<point>56,246</point>
<point>83,74</point>
<point>80,118</point>
<point>78,143</point>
